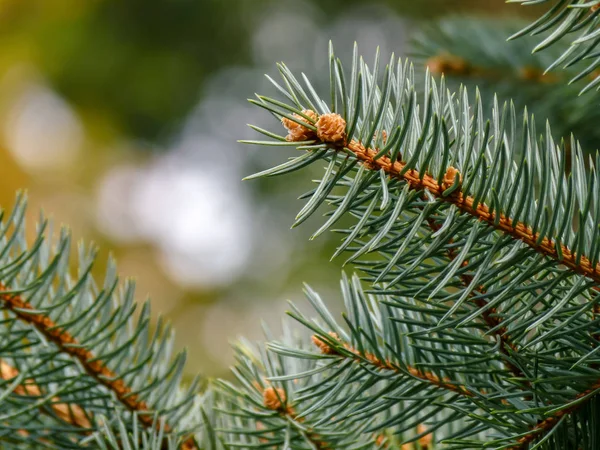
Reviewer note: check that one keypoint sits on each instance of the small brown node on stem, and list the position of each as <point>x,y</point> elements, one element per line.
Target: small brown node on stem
<point>536,75</point>
<point>331,128</point>
<point>298,132</point>
<point>325,348</point>
<point>274,398</point>
<point>425,441</point>
<point>450,178</point>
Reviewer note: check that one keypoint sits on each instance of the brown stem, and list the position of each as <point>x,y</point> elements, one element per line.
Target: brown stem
<point>482,212</point>
<point>429,377</point>
<point>93,367</point>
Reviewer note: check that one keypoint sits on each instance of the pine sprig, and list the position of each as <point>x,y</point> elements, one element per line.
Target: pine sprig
<point>271,407</point>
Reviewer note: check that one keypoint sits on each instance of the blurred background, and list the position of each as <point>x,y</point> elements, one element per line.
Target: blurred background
<point>120,119</point>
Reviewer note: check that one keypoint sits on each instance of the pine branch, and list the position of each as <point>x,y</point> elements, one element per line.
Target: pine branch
<point>563,18</point>
<point>70,413</point>
<point>93,366</point>
<point>275,400</point>
<point>268,408</point>
<point>347,351</point>
<point>70,346</point>
<point>494,323</point>
<point>378,358</point>
<point>549,424</point>
<point>448,191</point>
<point>75,353</point>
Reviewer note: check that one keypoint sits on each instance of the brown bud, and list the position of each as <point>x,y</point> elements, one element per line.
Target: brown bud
<point>426,441</point>
<point>274,398</point>
<point>331,128</point>
<point>447,64</point>
<point>298,132</point>
<point>325,348</point>
<point>381,440</point>
<point>450,177</point>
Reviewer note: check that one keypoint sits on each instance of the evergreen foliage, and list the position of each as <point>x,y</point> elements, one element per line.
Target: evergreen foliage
<point>473,318</point>
<point>565,17</point>
<point>79,366</point>
<point>471,321</point>
<point>472,51</point>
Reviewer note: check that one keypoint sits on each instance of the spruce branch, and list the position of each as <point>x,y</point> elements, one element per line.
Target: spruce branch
<point>331,131</point>
<point>269,407</point>
<point>77,354</point>
<point>92,365</point>
<point>275,399</point>
<point>563,18</point>
<point>70,346</point>
<point>377,363</point>
<point>347,351</point>
<point>489,315</point>
<point>70,413</point>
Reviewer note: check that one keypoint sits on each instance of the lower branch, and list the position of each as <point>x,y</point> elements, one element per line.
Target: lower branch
<point>93,367</point>
<point>70,413</point>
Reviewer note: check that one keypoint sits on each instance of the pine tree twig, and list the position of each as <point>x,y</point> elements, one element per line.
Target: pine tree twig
<point>442,383</point>
<point>93,367</point>
<point>551,422</point>
<point>330,129</point>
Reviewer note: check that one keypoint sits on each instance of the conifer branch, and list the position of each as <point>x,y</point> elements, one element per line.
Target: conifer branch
<point>93,366</point>
<point>455,66</point>
<point>474,51</point>
<point>561,20</point>
<point>331,131</point>
<point>515,244</point>
<point>548,424</point>
<point>488,314</point>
